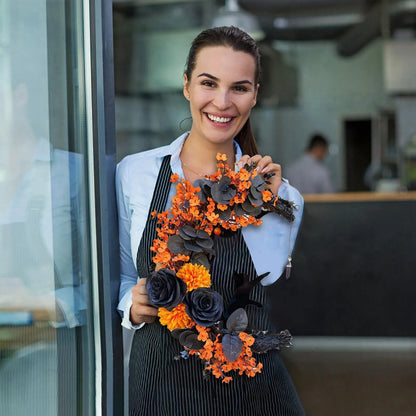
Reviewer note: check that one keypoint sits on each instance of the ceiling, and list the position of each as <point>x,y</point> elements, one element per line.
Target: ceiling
<point>352,24</point>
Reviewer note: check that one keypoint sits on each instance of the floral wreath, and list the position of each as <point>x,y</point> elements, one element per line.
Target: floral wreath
<point>180,285</point>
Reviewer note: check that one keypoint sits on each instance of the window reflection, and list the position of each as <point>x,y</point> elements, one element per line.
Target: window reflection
<point>43,244</point>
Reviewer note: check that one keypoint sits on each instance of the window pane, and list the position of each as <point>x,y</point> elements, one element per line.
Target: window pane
<point>46,344</point>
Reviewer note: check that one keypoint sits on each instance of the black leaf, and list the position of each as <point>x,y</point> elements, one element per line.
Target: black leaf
<point>237,321</point>
<point>231,346</point>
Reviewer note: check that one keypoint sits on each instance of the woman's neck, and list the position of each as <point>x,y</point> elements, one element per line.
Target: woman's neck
<point>200,159</point>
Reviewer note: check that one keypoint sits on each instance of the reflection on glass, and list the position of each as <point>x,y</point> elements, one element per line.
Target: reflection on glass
<point>43,279</point>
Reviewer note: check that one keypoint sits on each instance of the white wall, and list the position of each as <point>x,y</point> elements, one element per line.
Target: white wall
<point>331,88</point>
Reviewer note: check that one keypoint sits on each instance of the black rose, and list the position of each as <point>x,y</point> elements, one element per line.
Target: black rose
<point>165,289</point>
<point>204,306</point>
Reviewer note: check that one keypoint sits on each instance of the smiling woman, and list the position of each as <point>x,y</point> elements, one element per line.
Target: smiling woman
<point>213,223</point>
<point>222,90</point>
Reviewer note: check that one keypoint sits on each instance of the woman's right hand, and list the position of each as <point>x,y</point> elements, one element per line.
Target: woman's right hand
<point>141,310</point>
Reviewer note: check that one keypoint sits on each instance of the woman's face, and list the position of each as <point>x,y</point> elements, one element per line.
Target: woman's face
<point>221,92</point>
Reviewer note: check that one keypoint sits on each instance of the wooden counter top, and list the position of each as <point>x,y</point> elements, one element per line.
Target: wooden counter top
<point>361,196</point>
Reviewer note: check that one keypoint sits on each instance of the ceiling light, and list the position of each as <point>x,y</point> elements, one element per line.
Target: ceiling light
<point>232,15</point>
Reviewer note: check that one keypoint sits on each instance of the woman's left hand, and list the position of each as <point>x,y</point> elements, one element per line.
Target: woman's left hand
<point>264,164</point>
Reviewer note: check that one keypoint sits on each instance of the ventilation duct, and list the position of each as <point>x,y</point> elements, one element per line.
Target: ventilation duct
<point>392,15</point>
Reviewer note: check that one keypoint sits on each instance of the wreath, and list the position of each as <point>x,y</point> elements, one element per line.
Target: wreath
<point>180,285</point>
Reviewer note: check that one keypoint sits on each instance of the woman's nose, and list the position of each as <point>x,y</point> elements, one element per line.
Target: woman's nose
<point>222,99</point>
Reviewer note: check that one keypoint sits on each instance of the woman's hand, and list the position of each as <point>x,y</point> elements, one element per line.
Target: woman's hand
<point>264,164</point>
<point>141,310</point>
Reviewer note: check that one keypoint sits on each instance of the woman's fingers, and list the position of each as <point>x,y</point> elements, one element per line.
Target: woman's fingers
<point>265,164</point>
<point>248,160</point>
<point>141,310</point>
<point>270,172</point>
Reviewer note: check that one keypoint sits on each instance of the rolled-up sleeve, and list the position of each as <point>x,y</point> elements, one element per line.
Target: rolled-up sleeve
<point>271,243</point>
<point>128,276</point>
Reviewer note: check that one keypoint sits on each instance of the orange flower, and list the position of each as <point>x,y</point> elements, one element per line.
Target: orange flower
<point>247,339</point>
<point>244,175</point>
<point>203,332</point>
<point>174,178</point>
<point>213,217</point>
<point>194,276</point>
<point>217,362</point>
<point>221,157</point>
<point>181,257</point>
<point>267,195</point>
<point>176,318</point>
<point>162,258</point>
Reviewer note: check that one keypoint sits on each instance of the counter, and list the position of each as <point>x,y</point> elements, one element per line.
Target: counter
<point>354,268</point>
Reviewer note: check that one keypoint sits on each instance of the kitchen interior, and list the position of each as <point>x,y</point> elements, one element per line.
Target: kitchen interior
<point>345,69</point>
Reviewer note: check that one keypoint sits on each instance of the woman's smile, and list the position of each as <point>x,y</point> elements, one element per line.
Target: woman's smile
<point>219,119</point>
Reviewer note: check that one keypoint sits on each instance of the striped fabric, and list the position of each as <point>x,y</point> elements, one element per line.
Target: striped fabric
<point>158,204</point>
<point>161,385</point>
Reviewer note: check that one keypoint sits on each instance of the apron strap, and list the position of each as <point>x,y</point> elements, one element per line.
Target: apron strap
<point>158,204</point>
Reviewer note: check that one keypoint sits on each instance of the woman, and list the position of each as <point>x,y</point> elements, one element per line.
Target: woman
<point>221,83</point>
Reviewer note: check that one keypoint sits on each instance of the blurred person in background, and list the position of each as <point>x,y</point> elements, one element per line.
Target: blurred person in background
<point>308,173</point>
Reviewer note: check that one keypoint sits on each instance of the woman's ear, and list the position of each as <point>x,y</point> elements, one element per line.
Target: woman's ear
<point>255,95</point>
<point>185,87</point>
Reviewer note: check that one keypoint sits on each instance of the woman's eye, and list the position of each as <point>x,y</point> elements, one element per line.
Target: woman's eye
<point>208,83</point>
<point>240,88</point>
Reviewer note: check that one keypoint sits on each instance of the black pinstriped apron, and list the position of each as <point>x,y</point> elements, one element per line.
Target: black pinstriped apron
<point>159,385</point>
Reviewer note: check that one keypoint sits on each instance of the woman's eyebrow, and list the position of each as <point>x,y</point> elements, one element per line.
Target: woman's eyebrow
<point>205,74</point>
<point>244,81</point>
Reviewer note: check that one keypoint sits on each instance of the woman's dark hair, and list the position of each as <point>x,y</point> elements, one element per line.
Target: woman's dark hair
<point>238,40</point>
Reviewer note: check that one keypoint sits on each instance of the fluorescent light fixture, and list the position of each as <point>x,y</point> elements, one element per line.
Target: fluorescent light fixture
<point>232,15</point>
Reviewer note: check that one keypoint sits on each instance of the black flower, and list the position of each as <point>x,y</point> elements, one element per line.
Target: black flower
<point>165,289</point>
<point>204,306</point>
<point>246,208</point>
<point>188,338</point>
<point>190,240</point>
<point>257,185</point>
<point>201,259</point>
<point>222,192</point>
<point>205,192</point>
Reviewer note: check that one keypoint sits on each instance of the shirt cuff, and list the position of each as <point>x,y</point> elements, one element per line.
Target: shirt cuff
<point>126,323</point>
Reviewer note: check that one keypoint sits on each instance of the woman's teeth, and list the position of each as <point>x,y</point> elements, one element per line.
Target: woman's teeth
<point>219,119</point>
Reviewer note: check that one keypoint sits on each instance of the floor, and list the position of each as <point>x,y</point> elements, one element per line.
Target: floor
<point>354,382</point>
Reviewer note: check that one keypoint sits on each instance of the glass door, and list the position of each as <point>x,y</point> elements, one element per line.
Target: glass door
<point>48,333</point>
